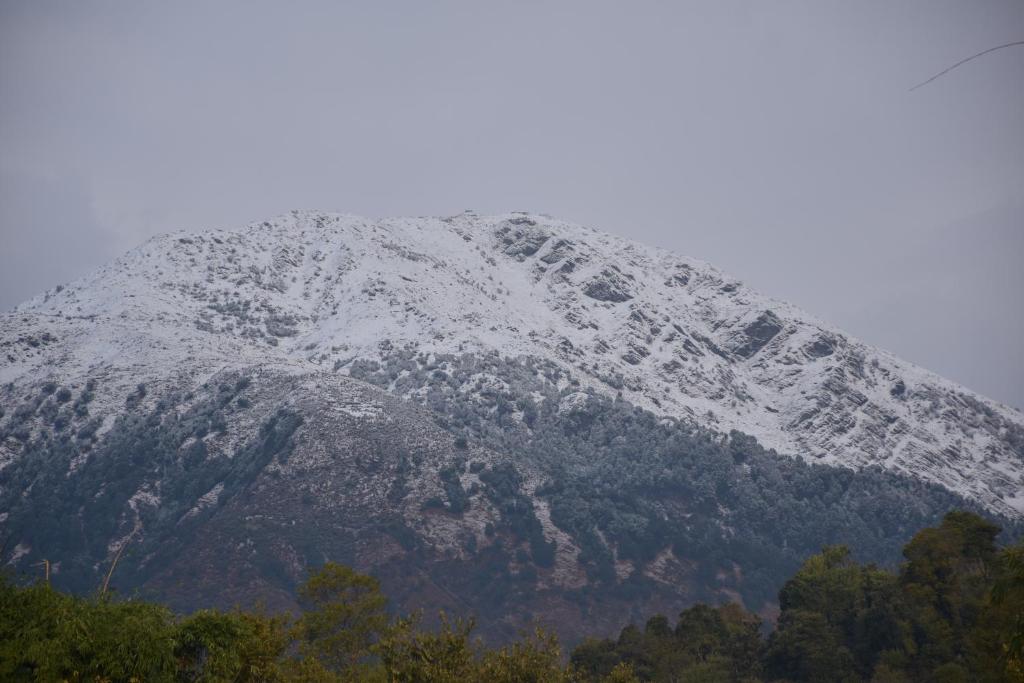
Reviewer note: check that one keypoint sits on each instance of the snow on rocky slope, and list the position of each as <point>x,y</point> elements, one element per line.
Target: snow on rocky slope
<point>320,291</point>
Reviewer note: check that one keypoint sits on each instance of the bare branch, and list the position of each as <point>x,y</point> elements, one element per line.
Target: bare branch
<point>964,61</point>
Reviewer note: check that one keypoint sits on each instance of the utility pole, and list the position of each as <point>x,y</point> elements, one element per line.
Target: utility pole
<point>106,581</point>
<point>46,569</point>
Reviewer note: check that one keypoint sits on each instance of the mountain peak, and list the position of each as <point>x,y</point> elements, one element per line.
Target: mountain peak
<point>670,334</point>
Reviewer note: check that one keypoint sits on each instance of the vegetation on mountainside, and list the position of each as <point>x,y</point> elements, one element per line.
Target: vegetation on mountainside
<point>627,485</point>
<point>69,491</point>
<point>952,613</point>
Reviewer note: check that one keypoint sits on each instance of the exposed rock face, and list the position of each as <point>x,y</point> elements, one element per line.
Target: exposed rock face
<point>609,285</point>
<point>521,237</point>
<point>820,347</point>
<point>756,335</point>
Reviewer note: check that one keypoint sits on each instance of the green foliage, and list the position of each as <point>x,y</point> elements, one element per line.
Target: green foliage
<point>708,643</point>
<point>344,617</point>
<point>344,635</point>
<point>448,655</point>
<point>947,581</point>
<point>998,639</point>
<point>46,635</point>
<point>49,636</point>
<point>409,655</point>
<point>236,646</point>
<point>536,658</point>
<point>848,608</point>
<point>941,619</point>
<point>806,648</point>
<point>953,613</point>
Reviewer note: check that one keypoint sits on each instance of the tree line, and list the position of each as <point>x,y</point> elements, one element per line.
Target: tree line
<point>953,612</point>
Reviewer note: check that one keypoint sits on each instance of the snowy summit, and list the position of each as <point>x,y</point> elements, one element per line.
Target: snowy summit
<point>676,336</point>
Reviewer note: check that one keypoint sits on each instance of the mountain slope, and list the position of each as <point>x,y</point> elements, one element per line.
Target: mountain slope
<point>588,509</point>
<point>668,334</point>
<point>504,416</point>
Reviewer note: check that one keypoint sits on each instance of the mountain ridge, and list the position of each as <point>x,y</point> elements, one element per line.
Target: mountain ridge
<point>671,334</point>
<point>509,417</point>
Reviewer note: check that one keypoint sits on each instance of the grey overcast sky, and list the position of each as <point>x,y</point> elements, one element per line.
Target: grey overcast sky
<point>777,140</point>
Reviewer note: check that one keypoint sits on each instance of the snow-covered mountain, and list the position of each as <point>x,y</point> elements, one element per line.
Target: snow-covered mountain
<point>326,292</point>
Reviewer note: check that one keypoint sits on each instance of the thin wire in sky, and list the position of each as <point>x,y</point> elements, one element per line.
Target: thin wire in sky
<point>964,61</point>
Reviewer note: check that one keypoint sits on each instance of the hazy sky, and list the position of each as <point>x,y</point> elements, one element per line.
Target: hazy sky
<point>777,140</point>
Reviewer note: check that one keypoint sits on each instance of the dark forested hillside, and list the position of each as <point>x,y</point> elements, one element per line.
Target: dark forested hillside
<point>633,489</point>
<point>514,504</point>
